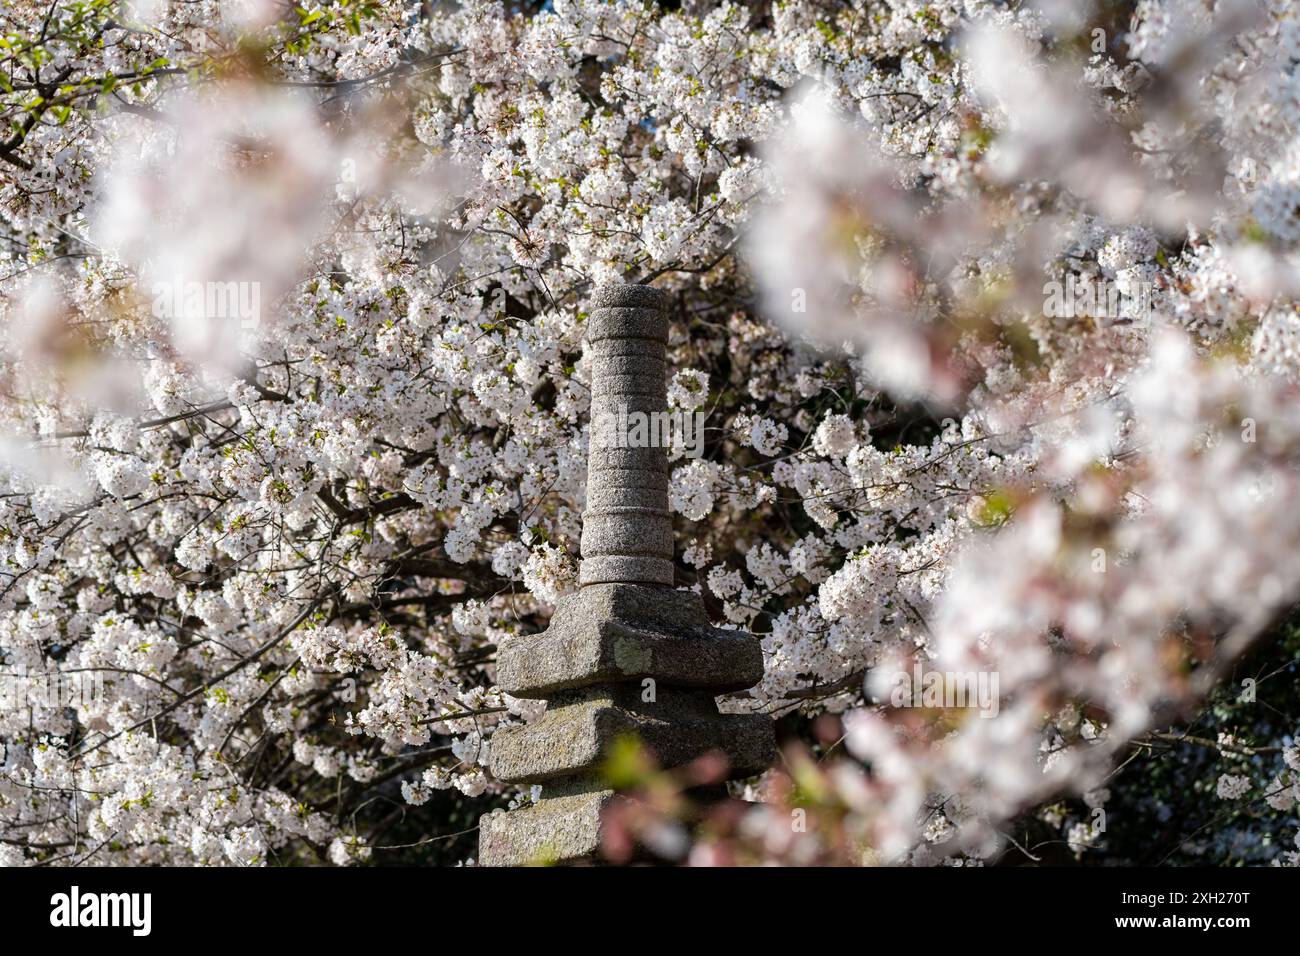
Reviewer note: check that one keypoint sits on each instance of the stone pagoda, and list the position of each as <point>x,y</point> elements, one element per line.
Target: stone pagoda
<point>624,631</point>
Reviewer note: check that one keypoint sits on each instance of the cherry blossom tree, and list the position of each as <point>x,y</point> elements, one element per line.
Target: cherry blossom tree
<point>990,306</point>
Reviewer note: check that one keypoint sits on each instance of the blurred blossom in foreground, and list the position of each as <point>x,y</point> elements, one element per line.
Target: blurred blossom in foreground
<point>1141,532</point>
<point>1092,606</point>
<point>231,186</point>
<point>824,258</point>
<point>220,200</point>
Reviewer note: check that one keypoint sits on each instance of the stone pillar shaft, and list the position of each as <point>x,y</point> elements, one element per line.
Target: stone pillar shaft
<point>626,655</point>
<point>627,530</point>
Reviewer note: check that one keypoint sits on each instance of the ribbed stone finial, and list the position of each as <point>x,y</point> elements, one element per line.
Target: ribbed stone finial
<point>625,655</point>
<point>627,530</point>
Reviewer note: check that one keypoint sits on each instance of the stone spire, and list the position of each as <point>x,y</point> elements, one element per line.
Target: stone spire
<point>627,531</point>
<point>626,654</point>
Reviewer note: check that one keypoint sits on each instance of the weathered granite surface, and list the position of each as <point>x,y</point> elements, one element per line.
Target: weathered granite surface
<point>572,736</point>
<point>626,655</point>
<point>625,632</point>
<point>627,536</point>
<point>556,830</point>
